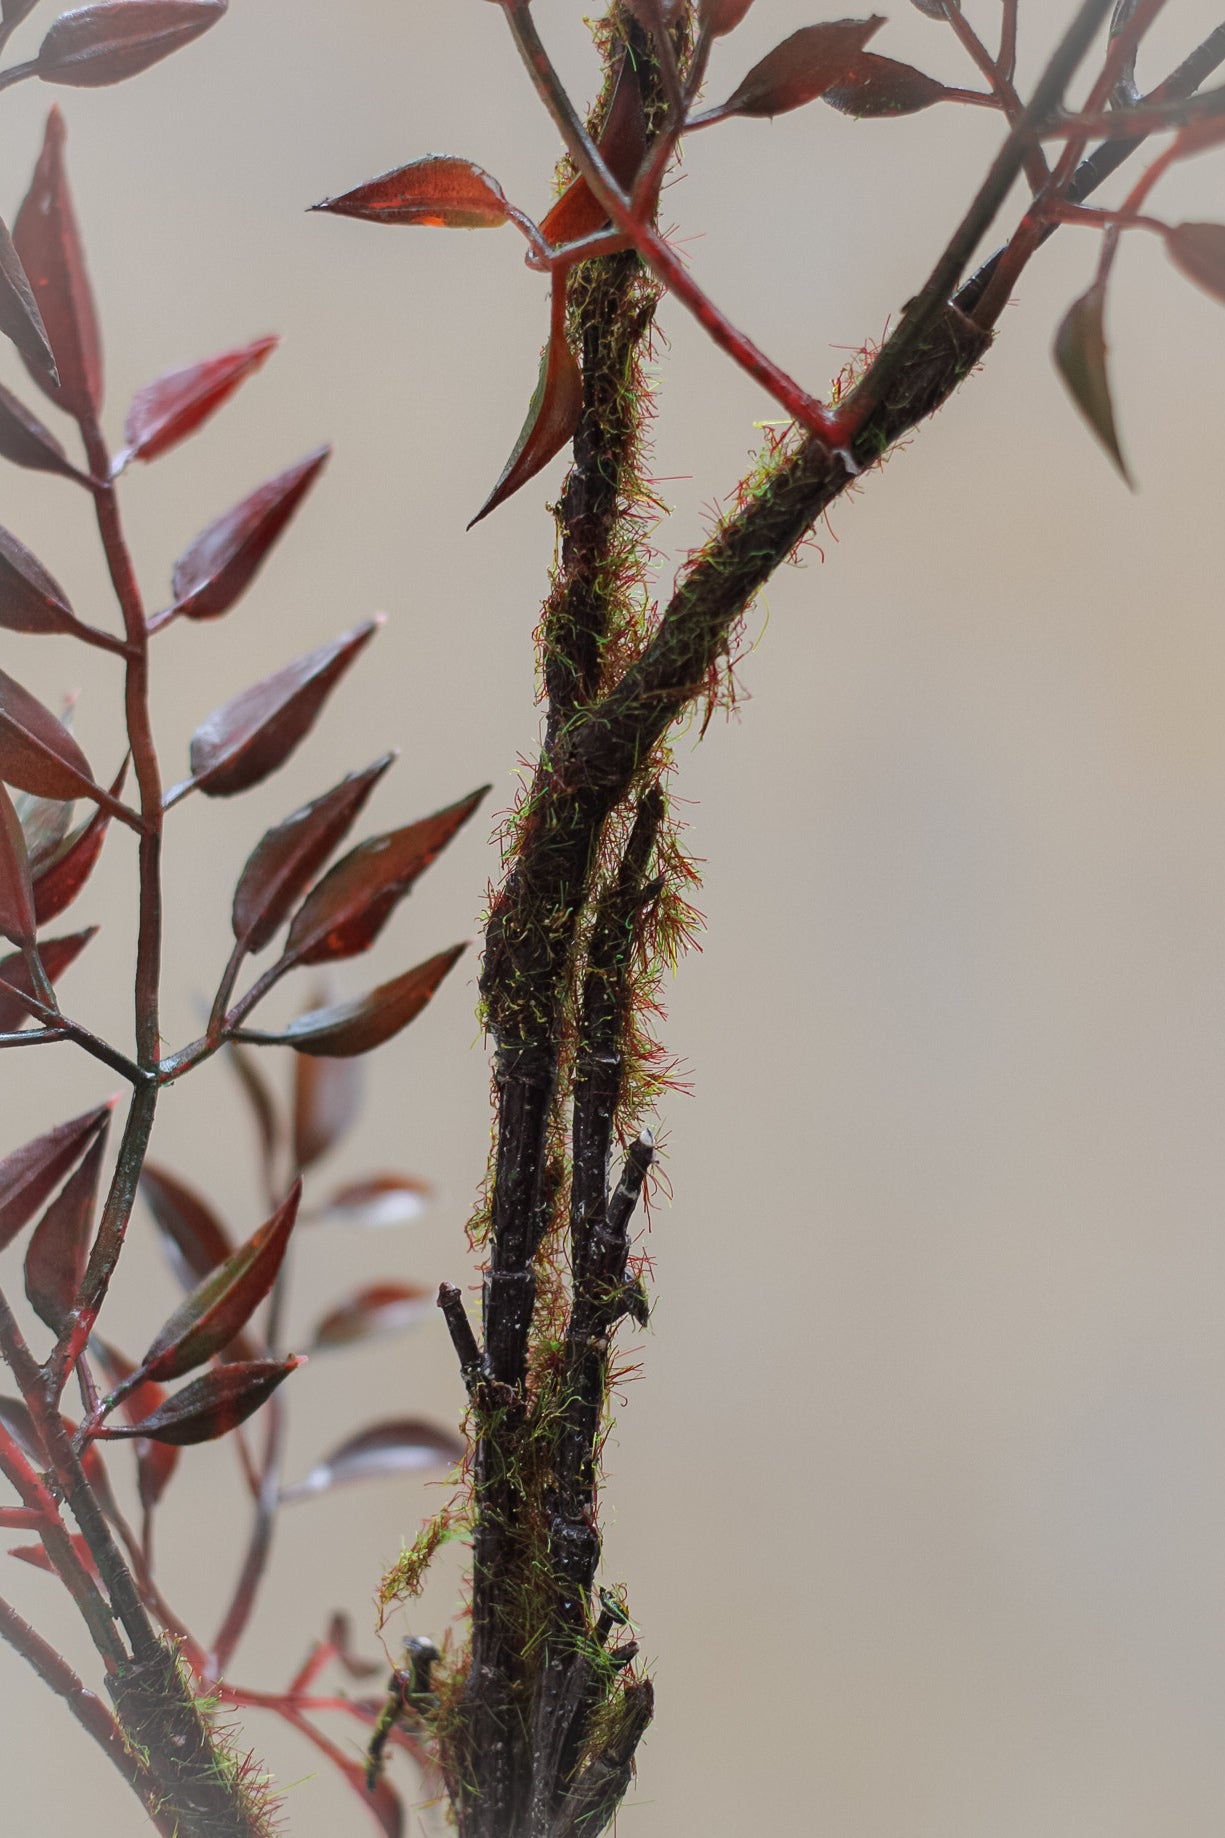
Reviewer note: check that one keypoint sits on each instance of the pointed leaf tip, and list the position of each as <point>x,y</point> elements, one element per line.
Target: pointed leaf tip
<point>360,1025</point>
<point>175,404</point>
<point>56,1257</point>
<point>553,413</point>
<point>209,1406</point>
<point>1198,251</point>
<point>1080,357</point>
<point>220,564</point>
<point>402,1445</point>
<point>438,191</point>
<point>801,68</point>
<point>880,86</point>
<point>28,1174</point>
<point>20,318</point>
<point>56,955</point>
<point>47,240</point>
<point>102,44</point>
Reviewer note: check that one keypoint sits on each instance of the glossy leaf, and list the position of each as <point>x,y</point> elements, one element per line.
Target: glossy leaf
<point>1080,356</point>
<point>29,1174</point>
<point>49,245</point>
<point>442,193</point>
<point>59,877</point>
<point>381,1199</point>
<point>194,1236</point>
<point>622,142</point>
<point>173,406</point>
<point>211,1405</point>
<point>379,1308</point>
<point>405,1445</point>
<point>58,1250</point>
<point>346,911</point>
<point>26,442</point>
<point>155,1461</point>
<point>1198,250</point>
<point>553,413</point>
<point>37,753</point>
<point>30,600</point>
<point>287,856</point>
<point>876,86</point>
<point>104,44</point>
<point>220,1306</point>
<point>17,920</point>
<point>358,1026</point>
<point>720,17</point>
<point>220,564</point>
<point>327,1097</point>
<point>248,738</point>
<point>801,68</point>
<point>20,318</point>
<point>56,955</point>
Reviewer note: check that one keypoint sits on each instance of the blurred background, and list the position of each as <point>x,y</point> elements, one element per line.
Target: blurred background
<point>919,1497</point>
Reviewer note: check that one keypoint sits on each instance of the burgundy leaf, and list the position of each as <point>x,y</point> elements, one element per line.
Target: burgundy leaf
<point>220,564</point>
<point>345,913</point>
<point>801,68</point>
<point>36,1554</point>
<point>287,856</point>
<point>381,1199</point>
<point>59,1247</point>
<point>194,1236</point>
<point>59,878</point>
<point>26,442</point>
<point>326,1100</point>
<point>1198,249</point>
<point>220,1306</point>
<point>119,38</point>
<point>20,318</point>
<point>358,1026</point>
<point>1080,356</point>
<point>28,1174</point>
<point>56,955</point>
<point>246,739</point>
<point>155,1461</point>
<point>17,1419</point>
<point>881,86</point>
<point>441,192</point>
<point>380,1308</point>
<point>258,1094</point>
<point>404,1445</point>
<point>37,753</point>
<point>46,821</point>
<point>14,11</point>
<point>167,410</point>
<point>211,1405</point>
<point>17,920</point>
<point>50,249</point>
<point>722,16</point>
<point>578,212</point>
<point>30,600</point>
<point>553,413</point>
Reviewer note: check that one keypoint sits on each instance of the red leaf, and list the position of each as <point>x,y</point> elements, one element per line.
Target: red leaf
<point>327,1098</point>
<point>155,1461</point>
<point>50,248</point>
<point>211,1405</point>
<point>26,442</point>
<point>382,1199</point>
<point>56,954</point>
<point>17,921</point>
<point>14,11</point>
<point>167,410</point>
<point>286,857</point>
<point>380,1308</point>
<point>1080,355</point>
<point>20,318</point>
<point>553,413</point>
<point>30,600</point>
<point>36,1554</point>
<point>346,1028</point>
<point>55,1260</point>
<point>881,86</point>
<point>28,1174</point>
<point>720,17</point>
<point>220,564</point>
<point>59,878</point>
<point>37,753</point>
<point>346,911</point>
<point>800,69</point>
<point>441,192</point>
<point>194,1236</point>
<point>405,1445</point>
<point>578,213</point>
<point>1198,249</point>
<point>220,1306</point>
<point>248,738</point>
<point>119,38</point>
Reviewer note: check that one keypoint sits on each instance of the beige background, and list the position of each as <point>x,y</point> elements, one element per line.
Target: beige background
<point>919,1498</point>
